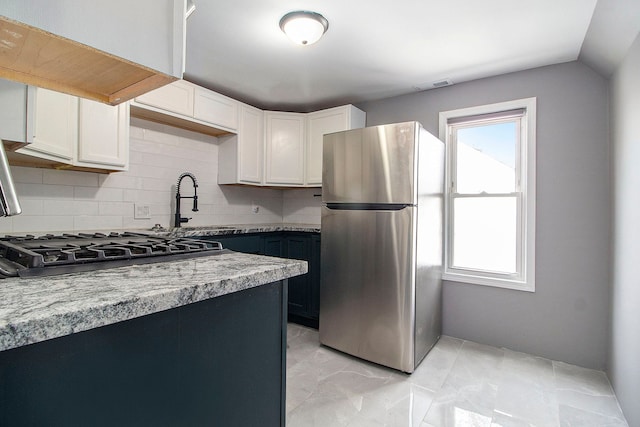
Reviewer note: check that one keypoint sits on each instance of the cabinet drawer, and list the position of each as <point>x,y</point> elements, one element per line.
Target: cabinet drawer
<point>176,97</point>
<point>216,109</point>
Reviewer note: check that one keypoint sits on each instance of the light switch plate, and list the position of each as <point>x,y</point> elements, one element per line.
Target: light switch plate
<point>142,212</point>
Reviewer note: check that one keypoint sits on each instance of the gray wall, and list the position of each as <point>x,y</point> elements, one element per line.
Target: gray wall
<point>624,356</point>
<point>567,317</point>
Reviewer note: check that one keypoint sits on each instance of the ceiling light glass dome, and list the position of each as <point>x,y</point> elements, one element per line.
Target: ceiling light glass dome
<point>303,27</point>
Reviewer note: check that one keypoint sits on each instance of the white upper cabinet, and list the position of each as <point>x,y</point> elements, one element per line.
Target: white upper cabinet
<point>188,106</point>
<point>289,151</point>
<point>54,120</point>
<point>176,97</point>
<point>284,148</point>
<point>103,136</point>
<point>66,132</point>
<point>241,156</point>
<point>216,109</point>
<point>320,123</point>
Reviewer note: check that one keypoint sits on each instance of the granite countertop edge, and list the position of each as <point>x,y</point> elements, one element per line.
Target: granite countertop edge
<point>37,309</point>
<point>225,230</point>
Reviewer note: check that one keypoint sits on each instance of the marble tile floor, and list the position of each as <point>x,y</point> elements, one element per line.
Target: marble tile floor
<point>460,383</point>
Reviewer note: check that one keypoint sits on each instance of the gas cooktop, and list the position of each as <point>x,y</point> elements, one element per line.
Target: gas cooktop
<point>28,256</point>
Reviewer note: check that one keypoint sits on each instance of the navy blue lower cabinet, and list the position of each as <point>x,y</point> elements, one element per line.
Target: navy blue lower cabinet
<point>314,277</point>
<point>299,247</point>
<point>304,291</point>
<point>248,244</point>
<point>219,362</point>
<point>273,245</point>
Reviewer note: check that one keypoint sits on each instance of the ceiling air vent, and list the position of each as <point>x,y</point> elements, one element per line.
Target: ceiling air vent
<point>433,85</point>
<point>441,83</point>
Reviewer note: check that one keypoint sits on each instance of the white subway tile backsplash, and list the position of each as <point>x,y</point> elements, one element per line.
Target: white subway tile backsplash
<point>83,207</point>
<point>101,194</point>
<point>136,132</point>
<point>135,158</point>
<point>6,225</point>
<point>31,206</point>
<point>115,208</point>
<point>27,175</point>
<point>129,223</point>
<point>44,191</point>
<point>140,196</point>
<point>97,222</point>
<point>57,207</point>
<point>160,134</point>
<point>74,178</point>
<point>120,180</point>
<point>302,206</point>
<point>156,184</point>
<point>42,223</point>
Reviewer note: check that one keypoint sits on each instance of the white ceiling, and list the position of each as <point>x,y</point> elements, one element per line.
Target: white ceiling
<point>383,48</point>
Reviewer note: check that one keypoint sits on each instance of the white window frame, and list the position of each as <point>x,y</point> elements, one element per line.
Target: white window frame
<point>524,279</point>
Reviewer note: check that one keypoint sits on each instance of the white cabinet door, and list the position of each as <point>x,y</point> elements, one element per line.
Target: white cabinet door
<point>55,127</point>
<point>176,97</point>
<point>216,109</point>
<point>251,145</point>
<point>103,136</point>
<point>320,123</point>
<point>241,155</point>
<point>284,145</point>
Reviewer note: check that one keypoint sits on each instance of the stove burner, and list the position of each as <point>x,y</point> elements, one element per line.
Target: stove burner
<point>58,254</point>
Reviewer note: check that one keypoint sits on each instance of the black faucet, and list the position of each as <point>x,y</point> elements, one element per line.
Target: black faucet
<point>178,219</point>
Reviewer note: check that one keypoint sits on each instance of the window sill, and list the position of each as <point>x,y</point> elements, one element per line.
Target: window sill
<point>490,281</point>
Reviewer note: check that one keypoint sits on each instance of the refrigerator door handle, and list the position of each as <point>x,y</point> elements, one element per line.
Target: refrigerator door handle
<point>367,206</point>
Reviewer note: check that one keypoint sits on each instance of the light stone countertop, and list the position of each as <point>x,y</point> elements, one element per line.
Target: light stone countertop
<point>37,309</point>
<point>224,230</point>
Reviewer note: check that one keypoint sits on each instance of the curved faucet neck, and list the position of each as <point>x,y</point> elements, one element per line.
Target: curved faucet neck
<point>184,175</point>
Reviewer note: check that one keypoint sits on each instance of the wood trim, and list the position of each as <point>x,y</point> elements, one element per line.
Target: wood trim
<point>33,56</point>
<point>167,119</point>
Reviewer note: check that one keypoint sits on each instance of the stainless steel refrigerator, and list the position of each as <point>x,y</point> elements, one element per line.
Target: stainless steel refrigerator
<point>381,247</point>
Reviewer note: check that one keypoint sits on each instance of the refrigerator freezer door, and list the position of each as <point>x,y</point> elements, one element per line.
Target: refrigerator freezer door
<point>372,165</point>
<point>367,286</point>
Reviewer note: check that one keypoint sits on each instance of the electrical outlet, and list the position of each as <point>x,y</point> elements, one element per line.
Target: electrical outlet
<point>142,212</point>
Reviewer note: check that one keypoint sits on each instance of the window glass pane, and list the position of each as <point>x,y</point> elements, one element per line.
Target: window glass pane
<point>484,234</point>
<point>486,158</point>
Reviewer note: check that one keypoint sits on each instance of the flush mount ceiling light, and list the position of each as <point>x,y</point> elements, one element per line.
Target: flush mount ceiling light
<point>304,27</point>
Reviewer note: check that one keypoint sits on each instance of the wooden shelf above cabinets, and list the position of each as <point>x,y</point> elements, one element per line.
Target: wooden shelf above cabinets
<point>40,58</point>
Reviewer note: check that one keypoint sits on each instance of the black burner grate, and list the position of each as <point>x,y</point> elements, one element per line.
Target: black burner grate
<point>29,255</point>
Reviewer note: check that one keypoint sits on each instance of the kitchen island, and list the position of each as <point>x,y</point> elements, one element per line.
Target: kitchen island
<point>189,342</point>
<point>287,240</point>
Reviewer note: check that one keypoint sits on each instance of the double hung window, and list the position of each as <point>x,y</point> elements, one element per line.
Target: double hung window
<point>490,194</point>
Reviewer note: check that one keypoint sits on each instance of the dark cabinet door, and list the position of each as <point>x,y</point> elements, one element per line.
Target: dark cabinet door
<point>242,243</point>
<point>297,247</point>
<point>314,277</point>
<point>272,245</point>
